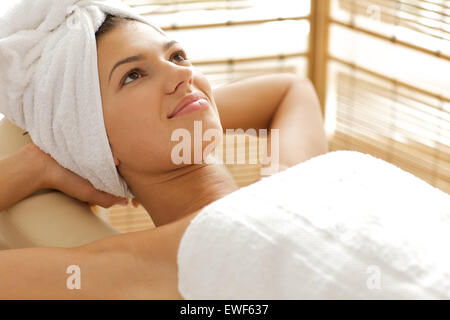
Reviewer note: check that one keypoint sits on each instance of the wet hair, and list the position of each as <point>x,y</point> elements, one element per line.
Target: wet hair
<point>110,23</point>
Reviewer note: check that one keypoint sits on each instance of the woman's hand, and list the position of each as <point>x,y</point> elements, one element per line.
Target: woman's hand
<point>54,176</point>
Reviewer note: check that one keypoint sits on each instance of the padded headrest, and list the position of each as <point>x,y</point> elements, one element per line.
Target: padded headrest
<point>12,138</point>
<point>48,217</point>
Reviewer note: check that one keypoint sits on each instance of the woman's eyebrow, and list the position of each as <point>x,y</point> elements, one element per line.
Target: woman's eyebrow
<point>138,57</point>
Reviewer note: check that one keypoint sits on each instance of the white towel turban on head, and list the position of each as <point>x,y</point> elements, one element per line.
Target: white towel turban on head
<point>49,83</point>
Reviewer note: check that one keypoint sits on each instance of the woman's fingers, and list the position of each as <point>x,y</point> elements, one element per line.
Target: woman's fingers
<point>121,201</point>
<point>135,202</point>
<point>89,194</point>
<point>79,188</point>
<point>57,177</point>
<point>105,200</point>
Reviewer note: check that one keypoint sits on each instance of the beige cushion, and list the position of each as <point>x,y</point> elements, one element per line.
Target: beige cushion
<point>48,217</point>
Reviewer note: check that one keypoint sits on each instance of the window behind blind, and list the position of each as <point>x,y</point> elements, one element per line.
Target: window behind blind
<point>388,83</point>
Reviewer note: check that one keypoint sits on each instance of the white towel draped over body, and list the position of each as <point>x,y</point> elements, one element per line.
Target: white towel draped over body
<point>343,225</point>
<point>49,84</point>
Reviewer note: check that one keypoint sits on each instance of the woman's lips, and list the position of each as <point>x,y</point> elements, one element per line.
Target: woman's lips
<point>191,107</point>
<point>187,99</point>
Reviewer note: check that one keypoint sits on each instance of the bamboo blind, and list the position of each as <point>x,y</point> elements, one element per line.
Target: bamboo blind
<point>388,84</point>
<point>428,20</point>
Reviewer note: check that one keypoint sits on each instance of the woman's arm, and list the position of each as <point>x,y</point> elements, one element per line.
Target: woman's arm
<point>21,174</point>
<point>137,265</point>
<point>251,103</point>
<point>298,117</point>
<point>281,101</point>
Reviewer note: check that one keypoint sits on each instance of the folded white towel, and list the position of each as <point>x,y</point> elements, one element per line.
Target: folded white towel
<point>343,225</point>
<point>49,84</point>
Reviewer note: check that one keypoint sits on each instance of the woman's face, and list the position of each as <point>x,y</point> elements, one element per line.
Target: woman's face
<point>138,96</point>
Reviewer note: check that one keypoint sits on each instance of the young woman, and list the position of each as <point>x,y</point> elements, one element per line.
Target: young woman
<point>143,77</point>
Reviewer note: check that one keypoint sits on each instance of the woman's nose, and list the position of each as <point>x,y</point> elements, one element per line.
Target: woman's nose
<point>179,75</point>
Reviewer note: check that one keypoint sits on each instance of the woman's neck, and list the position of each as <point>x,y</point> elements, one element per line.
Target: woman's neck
<point>175,194</point>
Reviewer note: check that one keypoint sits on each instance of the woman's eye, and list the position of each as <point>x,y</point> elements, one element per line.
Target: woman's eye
<point>180,53</point>
<point>131,75</point>
<point>134,74</point>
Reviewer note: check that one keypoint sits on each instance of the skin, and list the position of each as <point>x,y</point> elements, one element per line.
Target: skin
<point>139,131</point>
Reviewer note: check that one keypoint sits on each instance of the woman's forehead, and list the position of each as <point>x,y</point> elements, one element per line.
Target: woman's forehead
<point>129,35</point>
<point>127,40</point>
